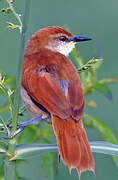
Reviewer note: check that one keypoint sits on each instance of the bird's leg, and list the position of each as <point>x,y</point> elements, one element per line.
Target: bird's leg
<point>26,123</point>
<point>21,127</point>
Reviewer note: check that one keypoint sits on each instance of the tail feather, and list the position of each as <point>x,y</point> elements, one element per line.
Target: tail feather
<point>73,144</point>
<point>71,158</point>
<point>87,161</point>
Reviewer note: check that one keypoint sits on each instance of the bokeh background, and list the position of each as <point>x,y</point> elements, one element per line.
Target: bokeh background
<point>97,19</point>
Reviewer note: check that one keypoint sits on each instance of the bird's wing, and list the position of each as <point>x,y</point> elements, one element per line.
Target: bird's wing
<point>51,84</point>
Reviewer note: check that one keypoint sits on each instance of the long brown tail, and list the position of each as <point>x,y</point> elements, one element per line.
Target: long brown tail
<point>73,144</point>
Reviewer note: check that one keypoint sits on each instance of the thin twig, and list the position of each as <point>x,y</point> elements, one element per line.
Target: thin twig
<point>8,93</point>
<point>89,64</point>
<point>4,124</point>
<point>15,14</point>
<point>20,66</point>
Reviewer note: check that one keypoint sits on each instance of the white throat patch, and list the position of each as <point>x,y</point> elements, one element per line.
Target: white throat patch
<point>62,47</point>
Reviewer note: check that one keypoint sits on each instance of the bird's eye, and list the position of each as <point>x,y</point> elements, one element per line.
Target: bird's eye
<point>63,38</point>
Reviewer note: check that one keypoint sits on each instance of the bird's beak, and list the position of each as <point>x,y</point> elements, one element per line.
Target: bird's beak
<point>80,38</point>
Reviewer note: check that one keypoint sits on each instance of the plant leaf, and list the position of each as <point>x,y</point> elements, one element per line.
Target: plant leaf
<point>9,82</point>
<point>2,159</point>
<point>25,151</point>
<point>3,145</point>
<point>48,165</point>
<point>105,131</point>
<point>28,150</point>
<point>109,80</point>
<point>2,150</point>
<point>104,147</point>
<point>102,88</point>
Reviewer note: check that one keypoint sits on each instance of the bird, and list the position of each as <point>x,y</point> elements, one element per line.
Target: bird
<point>51,88</point>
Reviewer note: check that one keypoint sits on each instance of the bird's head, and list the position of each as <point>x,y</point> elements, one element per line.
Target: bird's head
<point>54,38</point>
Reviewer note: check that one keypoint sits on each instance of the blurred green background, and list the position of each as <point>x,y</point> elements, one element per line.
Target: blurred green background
<point>97,19</point>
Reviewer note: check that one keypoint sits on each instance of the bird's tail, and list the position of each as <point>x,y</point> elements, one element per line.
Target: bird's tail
<point>73,144</point>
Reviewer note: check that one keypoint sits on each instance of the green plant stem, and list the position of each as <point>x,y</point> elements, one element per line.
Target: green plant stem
<point>79,61</point>
<point>10,166</point>
<point>10,170</point>
<point>15,14</point>
<point>20,66</point>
